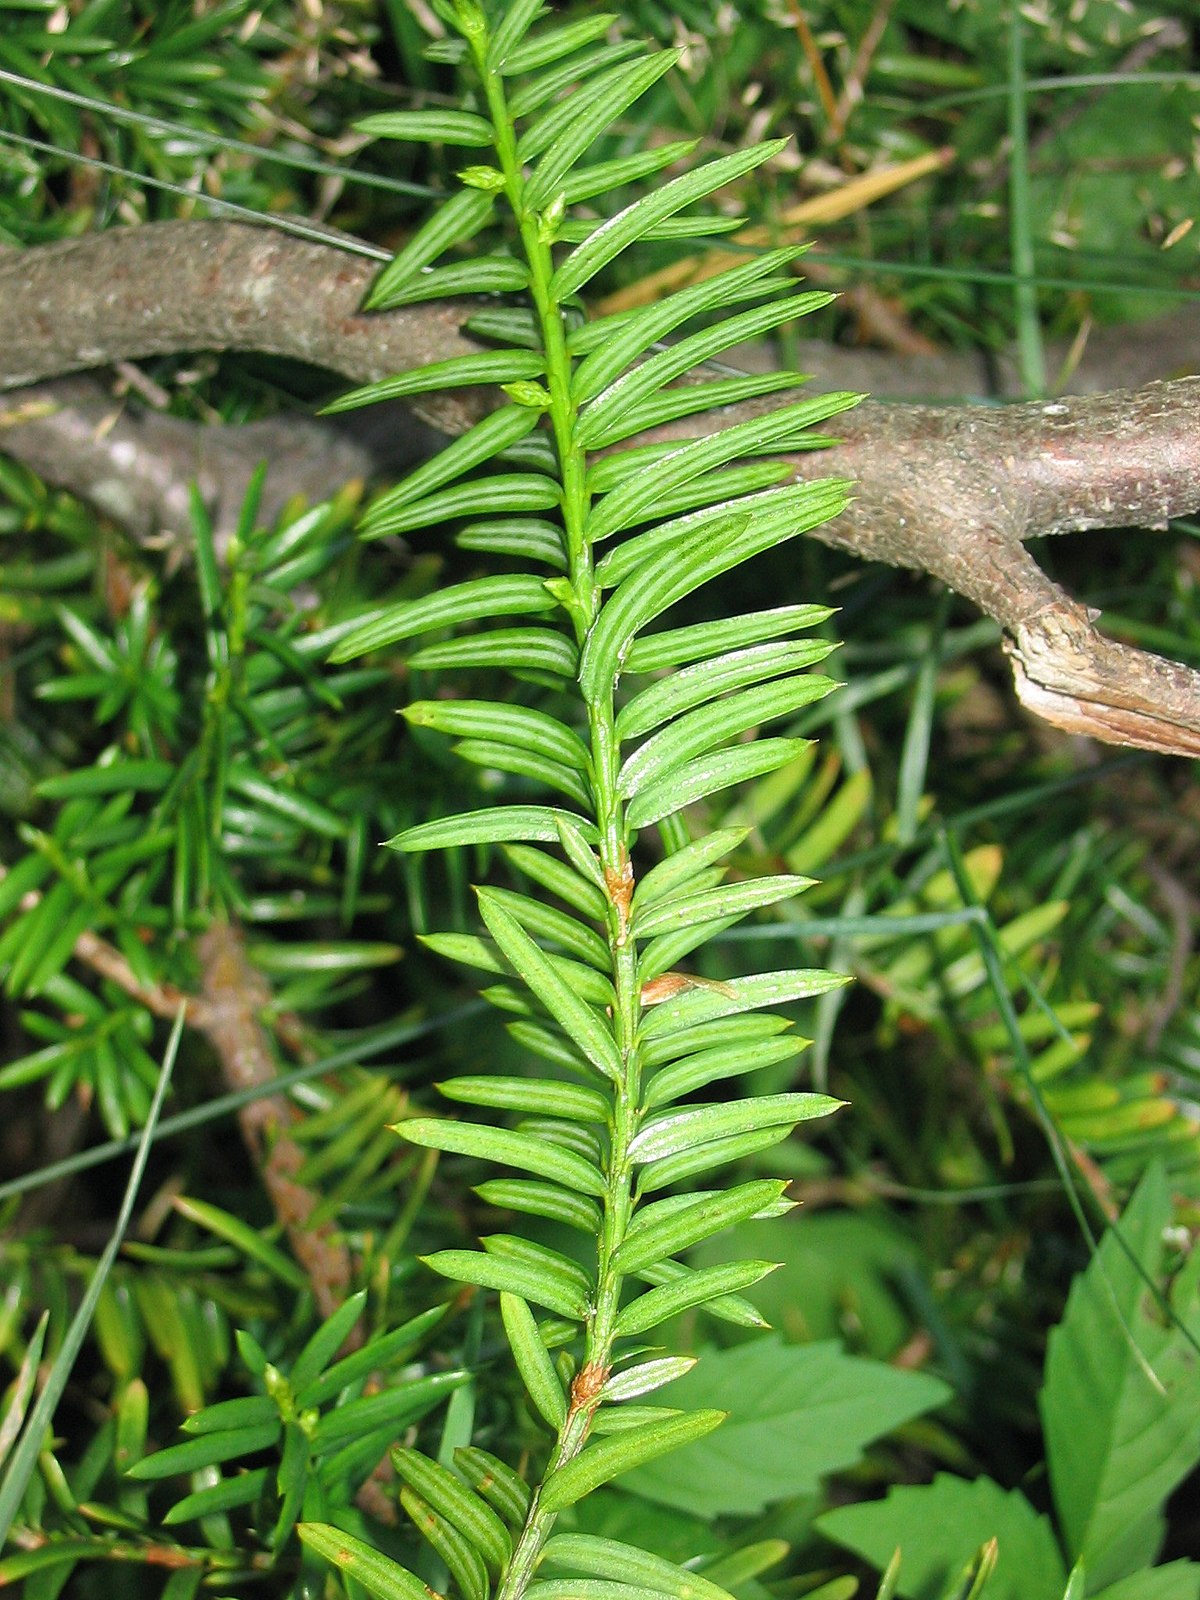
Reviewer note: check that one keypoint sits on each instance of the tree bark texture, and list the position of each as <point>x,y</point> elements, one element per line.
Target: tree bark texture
<point>954,491</point>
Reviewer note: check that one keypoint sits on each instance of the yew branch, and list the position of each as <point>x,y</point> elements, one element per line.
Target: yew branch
<point>954,491</point>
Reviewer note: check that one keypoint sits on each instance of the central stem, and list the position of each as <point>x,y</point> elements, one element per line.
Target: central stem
<point>536,231</point>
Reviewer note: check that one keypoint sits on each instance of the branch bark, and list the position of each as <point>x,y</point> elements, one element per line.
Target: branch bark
<point>234,996</point>
<point>952,491</point>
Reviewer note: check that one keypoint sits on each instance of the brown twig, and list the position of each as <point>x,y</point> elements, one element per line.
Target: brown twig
<point>228,1012</point>
<point>160,999</point>
<point>951,491</point>
<point>812,55</point>
<point>853,87</point>
<point>234,996</point>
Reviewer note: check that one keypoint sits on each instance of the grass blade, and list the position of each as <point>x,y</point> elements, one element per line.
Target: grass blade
<point>24,1459</point>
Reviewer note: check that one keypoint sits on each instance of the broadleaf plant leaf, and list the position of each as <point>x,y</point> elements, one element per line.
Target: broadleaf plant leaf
<point>798,1413</point>
<point>940,1528</point>
<point>1119,1442</point>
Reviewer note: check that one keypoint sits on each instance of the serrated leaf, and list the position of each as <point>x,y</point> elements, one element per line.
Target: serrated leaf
<point>614,342</point>
<point>693,1006</point>
<point>427,127</point>
<point>727,900</point>
<point>513,491</point>
<point>542,1200</point>
<point>799,1413</point>
<point>695,780</point>
<point>940,1527</point>
<point>609,1458</point>
<point>710,1066</point>
<point>484,366</point>
<point>676,646</point>
<point>511,1277</point>
<point>461,602</point>
<point>506,1148</point>
<point>653,1237</point>
<point>533,1360</point>
<point>480,275</point>
<point>535,649</point>
<point>461,217</point>
<point>610,1558</point>
<point>486,439</point>
<point>530,730</point>
<point>1118,1446</point>
<point>379,1574</point>
<point>579,1021</point>
<point>473,1518</point>
<point>620,231</point>
<point>624,506</point>
<point>596,106</point>
<point>686,1288</point>
<point>496,825</point>
<point>542,1096</point>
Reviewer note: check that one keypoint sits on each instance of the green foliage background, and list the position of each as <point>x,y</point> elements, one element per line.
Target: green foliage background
<point>174,747</point>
